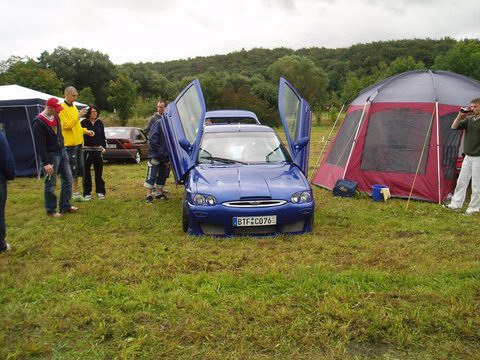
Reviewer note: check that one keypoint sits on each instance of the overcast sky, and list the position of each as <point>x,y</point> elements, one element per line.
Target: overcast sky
<point>160,30</point>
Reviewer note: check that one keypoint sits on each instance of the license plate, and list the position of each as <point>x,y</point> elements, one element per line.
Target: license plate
<point>111,146</point>
<point>255,220</point>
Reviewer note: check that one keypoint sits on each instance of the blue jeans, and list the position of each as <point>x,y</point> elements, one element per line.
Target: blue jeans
<point>3,199</point>
<point>157,173</point>
<point>61,166</point>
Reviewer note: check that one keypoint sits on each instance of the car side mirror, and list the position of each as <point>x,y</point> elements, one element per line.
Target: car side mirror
<point>185,145</point>
<point>301,143</point>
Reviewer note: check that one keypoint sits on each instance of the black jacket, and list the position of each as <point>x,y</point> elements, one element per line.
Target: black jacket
<point>157,147</point>
<point>46,140</point>
<point>99,130</point>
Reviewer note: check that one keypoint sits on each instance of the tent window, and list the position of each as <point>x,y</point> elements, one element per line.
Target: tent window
<point>340,151</point>
<point>395,139</point>
<point>450,140</point>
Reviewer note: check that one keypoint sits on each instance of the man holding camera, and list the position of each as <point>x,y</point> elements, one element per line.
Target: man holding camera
<point>468,119</point>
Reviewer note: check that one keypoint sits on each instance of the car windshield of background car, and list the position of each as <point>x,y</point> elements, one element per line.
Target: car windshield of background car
<point>245,147</point>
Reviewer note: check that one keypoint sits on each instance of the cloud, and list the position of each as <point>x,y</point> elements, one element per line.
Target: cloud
<point>157,30</point>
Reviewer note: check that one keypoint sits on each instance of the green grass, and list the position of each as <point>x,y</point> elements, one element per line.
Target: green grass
<point>121,280</point>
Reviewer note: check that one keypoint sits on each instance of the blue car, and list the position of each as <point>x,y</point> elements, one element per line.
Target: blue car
<point>239,178</point>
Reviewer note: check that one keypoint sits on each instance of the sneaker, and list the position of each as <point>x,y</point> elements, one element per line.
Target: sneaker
<point>149,199</point>
<point>79,198</point>
<point>450,208</point>
<point>101,196</point>
<point>55,215</point>
<point>160,196</point>
<point>8,248</point>
<point>87,197</point>
<point>470,212</point>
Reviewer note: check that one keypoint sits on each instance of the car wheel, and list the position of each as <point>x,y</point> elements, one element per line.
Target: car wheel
<point>138,157</point>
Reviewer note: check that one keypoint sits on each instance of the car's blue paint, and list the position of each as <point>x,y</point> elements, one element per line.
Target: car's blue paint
<point>183,131</point>
<point>290,102</point>
<point>236,182</point>
<point>258,181</point>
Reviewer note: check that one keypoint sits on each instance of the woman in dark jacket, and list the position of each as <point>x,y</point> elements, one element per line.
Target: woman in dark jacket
<point>7,172</point>
<point>94,147</point>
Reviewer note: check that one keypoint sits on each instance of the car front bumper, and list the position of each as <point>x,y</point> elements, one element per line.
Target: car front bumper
<point>217,220</point>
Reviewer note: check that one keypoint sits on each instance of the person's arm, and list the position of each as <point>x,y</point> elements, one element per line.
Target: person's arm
<point>85,131</point>
<point>7,162</point>
<point>460,117</point>
<point>155,137</point>
<point>69,117</point>
<point>40,142</point>
<point>102,135</point>
<point>149,125</point>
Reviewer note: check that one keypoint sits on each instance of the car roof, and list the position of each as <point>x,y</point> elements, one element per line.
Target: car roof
<point>237,128</point>
<point>231,114</point>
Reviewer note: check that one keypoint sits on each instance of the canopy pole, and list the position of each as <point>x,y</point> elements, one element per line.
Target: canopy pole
<point>37,163</point>
<point>326,142</point>
<point>355,139</point>
<point>438,154</point>
<point>421,157</point>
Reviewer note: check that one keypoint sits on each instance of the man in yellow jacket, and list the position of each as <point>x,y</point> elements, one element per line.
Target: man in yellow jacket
<point>73,137</point>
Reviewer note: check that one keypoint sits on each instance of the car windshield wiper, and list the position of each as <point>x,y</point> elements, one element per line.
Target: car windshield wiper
<point>223,160</point>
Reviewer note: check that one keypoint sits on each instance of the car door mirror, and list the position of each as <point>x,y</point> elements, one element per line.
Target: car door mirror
<point>301,143</point>
<point>185,145</point>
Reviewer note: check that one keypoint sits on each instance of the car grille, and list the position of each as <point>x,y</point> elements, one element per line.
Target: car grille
<point>255,230</point>
<point>254,203</point>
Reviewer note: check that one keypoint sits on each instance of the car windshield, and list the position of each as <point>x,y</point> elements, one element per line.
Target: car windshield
<point>242,148</point>
<point>112,133</point>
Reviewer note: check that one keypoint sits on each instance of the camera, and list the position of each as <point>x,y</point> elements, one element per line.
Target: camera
<point>466,110</point>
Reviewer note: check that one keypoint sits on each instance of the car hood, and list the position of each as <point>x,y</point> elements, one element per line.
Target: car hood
<point>235,182</point>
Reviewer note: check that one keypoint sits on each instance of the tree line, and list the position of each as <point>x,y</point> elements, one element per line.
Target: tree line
<point>241,79</point>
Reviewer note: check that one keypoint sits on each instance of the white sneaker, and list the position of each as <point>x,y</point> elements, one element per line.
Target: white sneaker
<point>8,248</point>
<point>471,212</point>
<point>79,198</point>
<point>87,197</point>
<point>101,196</point>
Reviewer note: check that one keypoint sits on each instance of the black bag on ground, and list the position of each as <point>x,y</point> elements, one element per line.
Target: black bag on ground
<point>345,188</point>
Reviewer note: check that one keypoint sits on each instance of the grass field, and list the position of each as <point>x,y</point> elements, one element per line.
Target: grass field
<point>121,280</point>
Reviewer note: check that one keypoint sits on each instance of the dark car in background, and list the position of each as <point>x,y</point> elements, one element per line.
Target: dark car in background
<point>125,144</point>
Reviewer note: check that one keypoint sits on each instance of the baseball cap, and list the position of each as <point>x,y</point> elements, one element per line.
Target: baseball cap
<point>54,103</point>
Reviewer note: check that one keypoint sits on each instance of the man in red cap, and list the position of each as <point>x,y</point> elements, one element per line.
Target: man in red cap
<point>49,141</point>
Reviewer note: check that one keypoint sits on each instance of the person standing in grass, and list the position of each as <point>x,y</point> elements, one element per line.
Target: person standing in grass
<point>47,130</point>
<point>7,172</point>
<point>73,134</point>
<point>161,105</point>
<point>94,147</point>
<point>158,158</point>
<point>470,122</point>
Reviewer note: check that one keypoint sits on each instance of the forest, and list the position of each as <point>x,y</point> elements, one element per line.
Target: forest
<point>245,79</point>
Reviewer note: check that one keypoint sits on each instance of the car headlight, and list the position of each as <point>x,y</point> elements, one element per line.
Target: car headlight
<point>301,197</point>
<point>200,199</point>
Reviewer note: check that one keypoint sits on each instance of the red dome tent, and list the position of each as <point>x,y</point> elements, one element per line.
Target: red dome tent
<point>397,133</point>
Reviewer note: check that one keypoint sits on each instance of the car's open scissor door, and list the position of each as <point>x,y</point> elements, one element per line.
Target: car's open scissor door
<point>183,127</point>
<point>297,122</point>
